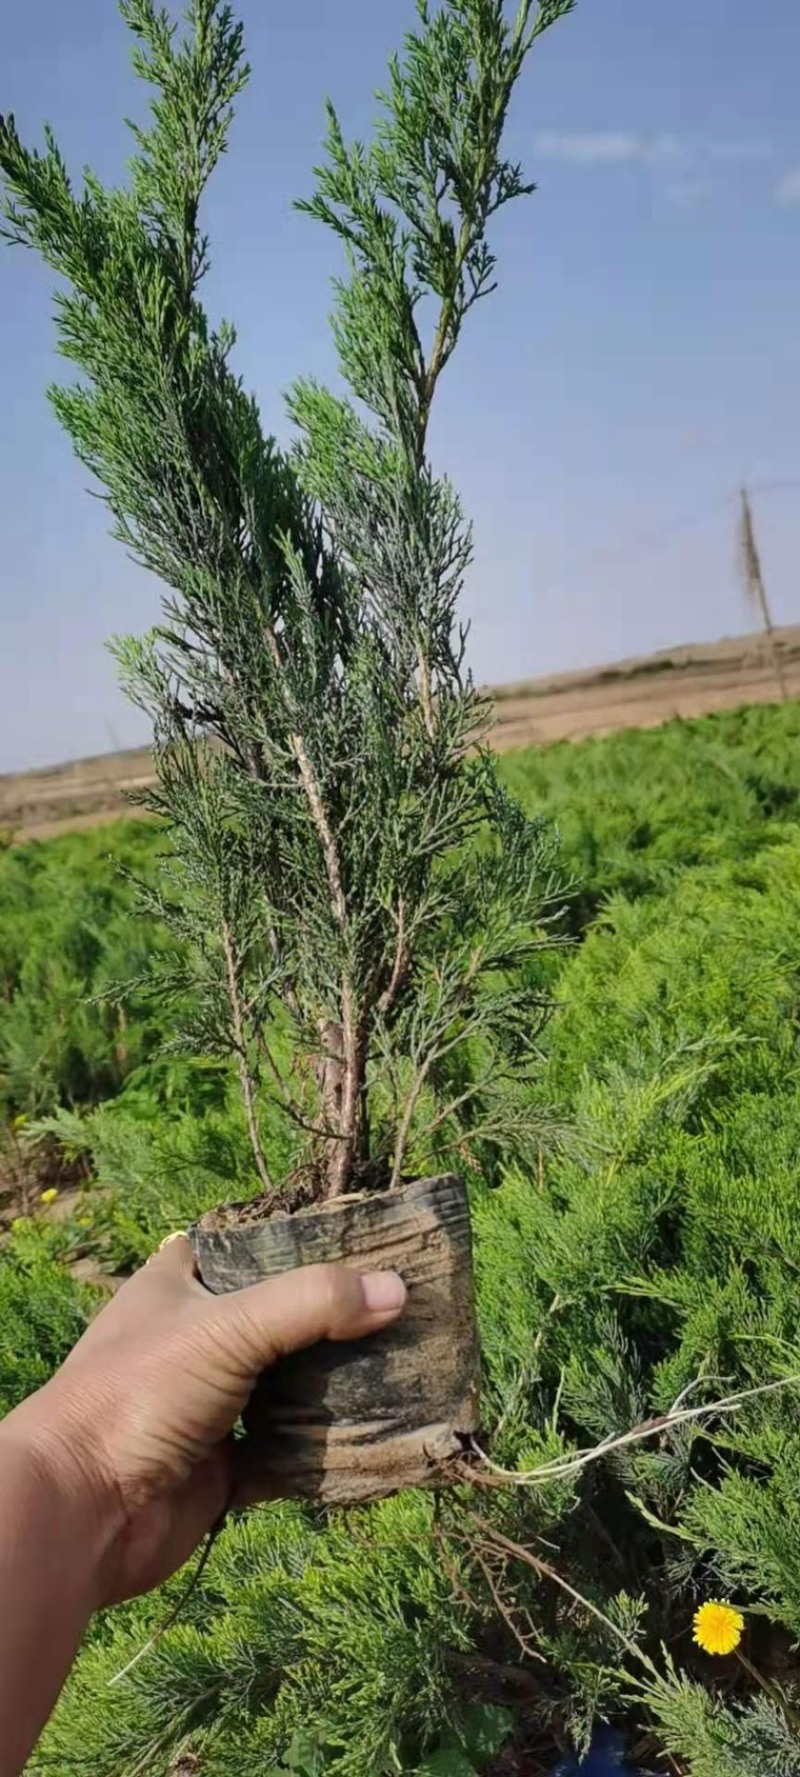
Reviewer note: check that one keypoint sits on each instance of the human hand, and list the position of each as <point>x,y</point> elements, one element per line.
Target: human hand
<point>139,1416</point>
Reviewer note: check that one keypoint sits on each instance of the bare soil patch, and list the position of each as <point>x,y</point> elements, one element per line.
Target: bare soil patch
<point>639,693</point>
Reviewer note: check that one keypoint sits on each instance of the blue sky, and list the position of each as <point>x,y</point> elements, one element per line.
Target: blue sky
<point>640,360</point>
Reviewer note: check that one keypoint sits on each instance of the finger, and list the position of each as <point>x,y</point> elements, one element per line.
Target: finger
<point>175,1257</point>
<point>286,1313</point>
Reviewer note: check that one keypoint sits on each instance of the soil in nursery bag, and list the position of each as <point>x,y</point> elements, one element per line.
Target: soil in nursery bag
<point>344,1423</point>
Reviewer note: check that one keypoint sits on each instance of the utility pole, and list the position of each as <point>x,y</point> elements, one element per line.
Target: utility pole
<point>755,590</point>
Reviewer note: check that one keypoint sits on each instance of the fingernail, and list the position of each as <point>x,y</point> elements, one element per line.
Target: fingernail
<point>383,1291</point>
<point>180,1234</point>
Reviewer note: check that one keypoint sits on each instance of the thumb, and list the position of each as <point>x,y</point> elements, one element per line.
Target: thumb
<point>286,1313</point>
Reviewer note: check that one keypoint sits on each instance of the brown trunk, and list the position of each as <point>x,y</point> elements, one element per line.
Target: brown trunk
<point>330,1073</point>
<point>351,1422</point>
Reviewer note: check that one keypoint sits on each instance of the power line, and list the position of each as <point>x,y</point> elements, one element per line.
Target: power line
<point>649,543</point>
<point>774,487</point>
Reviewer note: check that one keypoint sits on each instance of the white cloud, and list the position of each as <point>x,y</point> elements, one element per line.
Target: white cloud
<point>742,153</point>
<point>691,158</point>
<point>667,151</point>
<point>692,191</point>
<point>787,190</point>
<point>591,149</point>
<point>603,148</point>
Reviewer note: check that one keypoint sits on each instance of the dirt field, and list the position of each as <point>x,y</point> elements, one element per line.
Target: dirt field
<point>640,693</point>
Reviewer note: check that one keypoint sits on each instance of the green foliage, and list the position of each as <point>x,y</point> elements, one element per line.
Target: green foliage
<point>310,608</point>
<point>726,787</point>
<point>661,1257</point>
<point>720,1742</point>
<point>299,1629</point>
<point>66,935</point>
<point>637,807</point>
<point>157,1163</point>
<point>483,1730</point>
<point>43,1312</point>
<point>344,881</point>
<point>656,1252</point>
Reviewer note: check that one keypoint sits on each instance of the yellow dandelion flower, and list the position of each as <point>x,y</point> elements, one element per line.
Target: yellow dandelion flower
<point>19,1122</point>
<point>48,1196</point>
<point>718,1628</point>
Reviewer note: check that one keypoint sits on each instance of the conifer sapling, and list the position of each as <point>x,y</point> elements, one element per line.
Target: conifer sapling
<point>359,904</point>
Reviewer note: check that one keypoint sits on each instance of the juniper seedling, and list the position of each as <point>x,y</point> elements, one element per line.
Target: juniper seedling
<point>360,903</point>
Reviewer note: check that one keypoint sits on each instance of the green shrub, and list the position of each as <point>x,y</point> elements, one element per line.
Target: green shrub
<point>716,1741</point>
<point>67,935</point>
<point>656,1252</point>
<point>43,1311</point>
<point>299,1629</point>
<point>636,807</point>
<point>635,810</point>
<point>156,1164</point>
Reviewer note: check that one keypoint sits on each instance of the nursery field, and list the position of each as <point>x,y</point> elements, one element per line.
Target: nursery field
<point>650,1256</point>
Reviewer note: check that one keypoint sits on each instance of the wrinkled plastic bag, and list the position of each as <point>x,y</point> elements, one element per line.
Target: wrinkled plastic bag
<point>605,1758</point>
